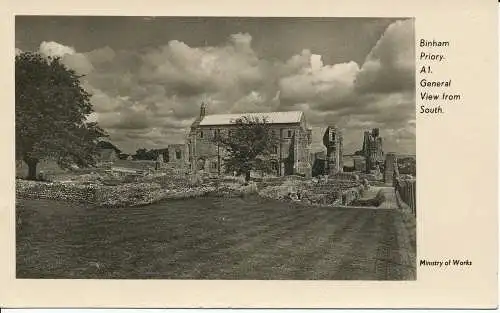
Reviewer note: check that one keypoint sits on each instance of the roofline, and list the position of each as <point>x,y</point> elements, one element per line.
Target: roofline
<point>270,123</point>
<point>250,113</point>
<point>300,113</point>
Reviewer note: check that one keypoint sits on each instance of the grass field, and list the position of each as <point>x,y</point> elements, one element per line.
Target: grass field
<point>212,238</point>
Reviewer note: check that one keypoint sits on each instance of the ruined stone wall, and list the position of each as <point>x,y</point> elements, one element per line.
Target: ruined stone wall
<point>177,155</point>
<point>302,157</point>
<point>359,164</point>
<point>203,149</point>
<point>372,149</point>
<point>57,191</point>
<point>391,168</point>
<point>333,141</point>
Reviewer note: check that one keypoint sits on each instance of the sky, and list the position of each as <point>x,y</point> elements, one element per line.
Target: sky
<point>149,75</point>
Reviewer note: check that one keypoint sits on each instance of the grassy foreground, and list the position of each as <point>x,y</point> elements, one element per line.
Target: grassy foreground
<point>212,238</point>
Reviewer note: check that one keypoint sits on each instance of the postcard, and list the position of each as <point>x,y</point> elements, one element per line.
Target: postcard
<point>303,154</point>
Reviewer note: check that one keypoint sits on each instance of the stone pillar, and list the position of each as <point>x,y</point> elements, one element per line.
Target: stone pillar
<point>333,142</point>
<point>390,163</point>
<point>193,154</point>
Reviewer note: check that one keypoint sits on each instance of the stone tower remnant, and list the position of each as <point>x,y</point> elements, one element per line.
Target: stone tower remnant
<point>390,168</point>
<point>372,149</point>
<point>333,141</point>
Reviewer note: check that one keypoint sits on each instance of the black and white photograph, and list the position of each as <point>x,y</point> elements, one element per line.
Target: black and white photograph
<point>215,148</point>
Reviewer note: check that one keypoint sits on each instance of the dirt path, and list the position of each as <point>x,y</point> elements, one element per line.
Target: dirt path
<point>390,201</point>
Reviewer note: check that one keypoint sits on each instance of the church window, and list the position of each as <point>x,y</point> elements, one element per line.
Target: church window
<point>201,134</point>
<point>178,154</point>
<point>289,133</point>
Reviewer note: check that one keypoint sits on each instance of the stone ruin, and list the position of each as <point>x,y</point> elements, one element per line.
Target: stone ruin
<point>333,141</point>
<point>372,150</point>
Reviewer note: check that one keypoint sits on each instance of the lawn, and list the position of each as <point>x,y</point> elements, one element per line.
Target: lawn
<point>212,238</point>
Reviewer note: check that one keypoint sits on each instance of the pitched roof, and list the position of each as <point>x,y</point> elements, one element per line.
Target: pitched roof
<point>272,118</point>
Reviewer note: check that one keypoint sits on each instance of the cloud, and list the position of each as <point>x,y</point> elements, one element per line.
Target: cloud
<point>69,57</point>
<point>324,87</point>
<point>390,66</point>
<point>191,71</point>
<point>149,97</point>
<point>101,56</point>
<point>103,103</point>
<point>54,49</point>
<point>380,93</point>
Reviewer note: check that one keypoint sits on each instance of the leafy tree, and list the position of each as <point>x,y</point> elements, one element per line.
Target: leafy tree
<point>141,154</point>
<point>108,145</point>
<point>248,145</point>
<point>51,112</point>
<point>153,154</point>
<point>145,154</point>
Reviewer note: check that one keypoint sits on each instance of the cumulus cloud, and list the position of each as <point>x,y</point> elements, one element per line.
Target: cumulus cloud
<point>390,65</point>
<point>69,57</point>
<point>191,71</point>
<point>148,98</point>
<point>100,56</point>
<point>54,49</point>
<point>323,87</point>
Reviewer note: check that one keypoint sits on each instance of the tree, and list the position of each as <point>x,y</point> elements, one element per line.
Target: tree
<point>145,154</point>
<point>247,146</point>
<point>141,154</point>
<point>51,114</point>
<point>153,154</point>
<point>108,145</point>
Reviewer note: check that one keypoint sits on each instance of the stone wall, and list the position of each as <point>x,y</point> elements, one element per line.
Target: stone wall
<point>343,191</point>
<point>344,176</point>
<point>177,155</point>
<point>333,141</point>
<point>304,161</point>
<point>56,191</point>
<point>405,187</point>
<point>406,191</point>
<point>132,194</point>
<point>391,168</point>
<point>292,153</point>
<point>359,163</point>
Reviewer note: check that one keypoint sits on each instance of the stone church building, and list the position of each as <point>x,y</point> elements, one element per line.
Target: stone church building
<point>291,155</point>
